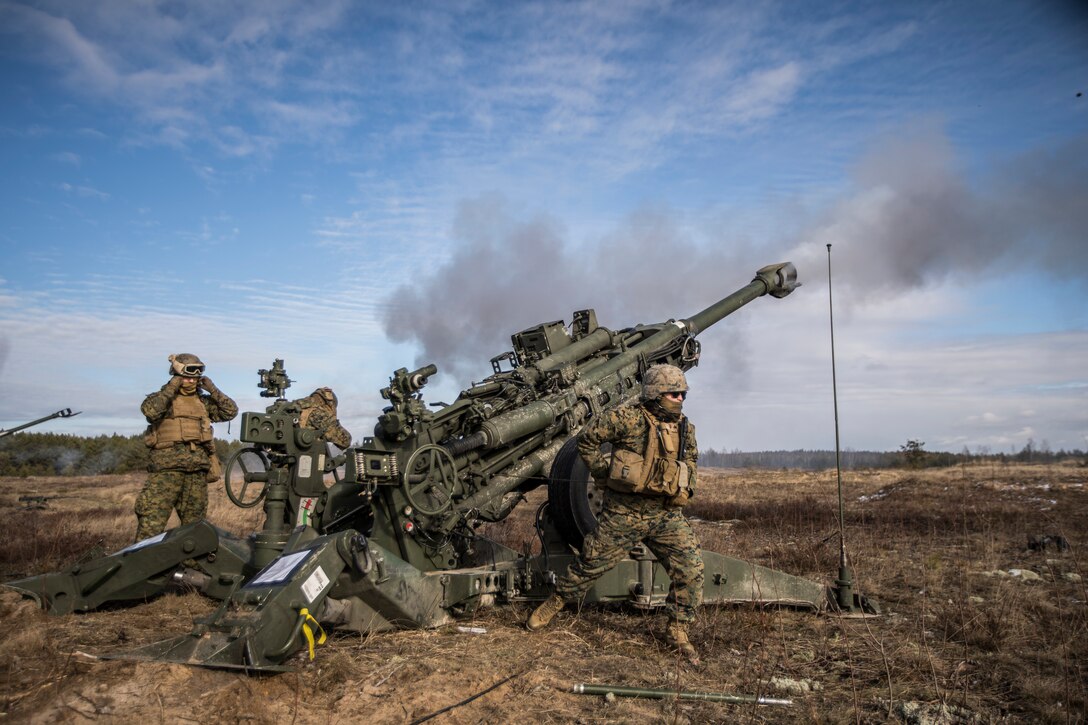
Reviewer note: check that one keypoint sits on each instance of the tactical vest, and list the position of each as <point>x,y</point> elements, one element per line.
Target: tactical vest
<point>659,469</point>
<point>188,422</point>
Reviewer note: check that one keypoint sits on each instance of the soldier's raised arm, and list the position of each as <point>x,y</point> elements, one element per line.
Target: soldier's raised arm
<point>156,405</point>
<point>220,406</point>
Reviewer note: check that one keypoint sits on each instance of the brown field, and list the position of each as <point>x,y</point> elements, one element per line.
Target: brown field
<point>961,640</point>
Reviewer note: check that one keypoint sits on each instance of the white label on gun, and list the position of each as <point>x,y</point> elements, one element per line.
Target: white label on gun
<point>146,542</point>
<point>305,464</point>
<point>314,585</point>
<point>279,570</point>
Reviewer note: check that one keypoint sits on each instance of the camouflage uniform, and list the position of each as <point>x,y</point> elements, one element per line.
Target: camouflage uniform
<point>628,518</point>
<point>178,473</point>
<point>319,413</point>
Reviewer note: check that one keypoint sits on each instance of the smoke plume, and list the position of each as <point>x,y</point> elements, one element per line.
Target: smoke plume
<point>507,275</point>
<point>910,217</point>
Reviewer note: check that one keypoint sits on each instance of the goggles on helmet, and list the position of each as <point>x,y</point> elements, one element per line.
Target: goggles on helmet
<point>192,370</point>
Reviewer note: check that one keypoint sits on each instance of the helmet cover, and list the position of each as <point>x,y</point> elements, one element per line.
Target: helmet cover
<point>186,364</point>
<point>326,395</point>
<point>661,379</point>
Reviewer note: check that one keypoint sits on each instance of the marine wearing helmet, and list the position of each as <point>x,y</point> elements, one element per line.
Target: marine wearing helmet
<point>186,364</point>
<point>648,476</point>
<point>179,433</point>
<point>318,411</point>
<point>661,379</point>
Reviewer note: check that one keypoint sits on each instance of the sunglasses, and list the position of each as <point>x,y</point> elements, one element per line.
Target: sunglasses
<point>192,371</point>
<point>677,394</point>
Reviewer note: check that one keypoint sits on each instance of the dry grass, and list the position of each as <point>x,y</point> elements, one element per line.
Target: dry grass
<point>957,643</point>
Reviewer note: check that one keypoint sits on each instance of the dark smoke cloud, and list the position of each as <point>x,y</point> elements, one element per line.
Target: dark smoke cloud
<point>911,219</point>
<point>506,274</point>
<point>1043,199</point>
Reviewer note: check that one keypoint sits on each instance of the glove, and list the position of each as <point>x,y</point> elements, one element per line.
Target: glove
<point>680,499</point>
<point>172,385</point>
<point>207,384</point>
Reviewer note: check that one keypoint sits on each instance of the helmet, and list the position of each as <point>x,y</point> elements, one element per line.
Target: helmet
<point>661,379</point>
<point>186,364</point>
<point>326,395</point>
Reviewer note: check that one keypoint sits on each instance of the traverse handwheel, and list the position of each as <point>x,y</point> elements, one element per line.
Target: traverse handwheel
<point>246,477</point>
<point>430,479</point>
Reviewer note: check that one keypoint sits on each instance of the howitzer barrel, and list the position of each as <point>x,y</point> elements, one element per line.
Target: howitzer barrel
<point>778,280</point>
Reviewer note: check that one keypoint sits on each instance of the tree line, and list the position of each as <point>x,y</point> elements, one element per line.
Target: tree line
<point>910,455</point>
<point>54,454</point>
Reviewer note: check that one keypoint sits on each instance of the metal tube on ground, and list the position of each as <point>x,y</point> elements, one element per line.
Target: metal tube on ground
<point>586,689</point>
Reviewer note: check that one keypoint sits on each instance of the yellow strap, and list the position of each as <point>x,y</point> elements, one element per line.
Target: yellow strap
<point>309,632</point>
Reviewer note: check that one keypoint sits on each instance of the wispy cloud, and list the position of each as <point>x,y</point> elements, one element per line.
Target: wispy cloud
<point>66,157</point>
<point>100,343</point>
<point>85,192</point>
<point>983,390</point>
<point>613,76</point>
<point>178,71</point>
<point>314,122</point>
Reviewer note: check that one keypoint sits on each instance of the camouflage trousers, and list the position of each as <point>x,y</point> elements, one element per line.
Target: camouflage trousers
<point>166,491</point>
<point>626,520</point>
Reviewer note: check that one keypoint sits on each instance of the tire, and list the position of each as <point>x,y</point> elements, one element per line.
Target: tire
<point>573,498</point>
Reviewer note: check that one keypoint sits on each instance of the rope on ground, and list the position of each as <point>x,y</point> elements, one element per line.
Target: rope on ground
<point>466,701</point>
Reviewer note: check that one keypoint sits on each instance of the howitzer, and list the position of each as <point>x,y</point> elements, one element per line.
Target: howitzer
<point>383,535</point>
<point>66,413</point>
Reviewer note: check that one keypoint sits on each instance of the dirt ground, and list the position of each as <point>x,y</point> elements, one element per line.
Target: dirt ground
<point>977,570</point>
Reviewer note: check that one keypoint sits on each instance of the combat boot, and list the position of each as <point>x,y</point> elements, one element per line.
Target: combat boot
<point>545,613</point>
<point>676,634</point>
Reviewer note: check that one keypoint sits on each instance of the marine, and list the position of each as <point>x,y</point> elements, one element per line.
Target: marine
<point>179,434</point>
<point>319,413</point>
<point>647,478</point>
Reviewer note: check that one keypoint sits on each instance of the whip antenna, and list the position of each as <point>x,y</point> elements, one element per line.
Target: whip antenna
<point>845,581</point>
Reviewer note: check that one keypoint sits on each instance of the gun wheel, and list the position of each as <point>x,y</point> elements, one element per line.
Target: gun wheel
<point>574,500</point>
<point>246,487</point>
<point>430,479</point>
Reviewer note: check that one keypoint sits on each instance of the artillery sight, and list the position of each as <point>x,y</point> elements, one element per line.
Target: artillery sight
<point>274,383</point>
<point>404,383</point>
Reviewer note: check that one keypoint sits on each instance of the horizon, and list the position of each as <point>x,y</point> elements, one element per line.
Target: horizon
<point>1031,448</point>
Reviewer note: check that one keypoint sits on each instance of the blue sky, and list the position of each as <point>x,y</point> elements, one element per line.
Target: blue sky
<point>357,187</point>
